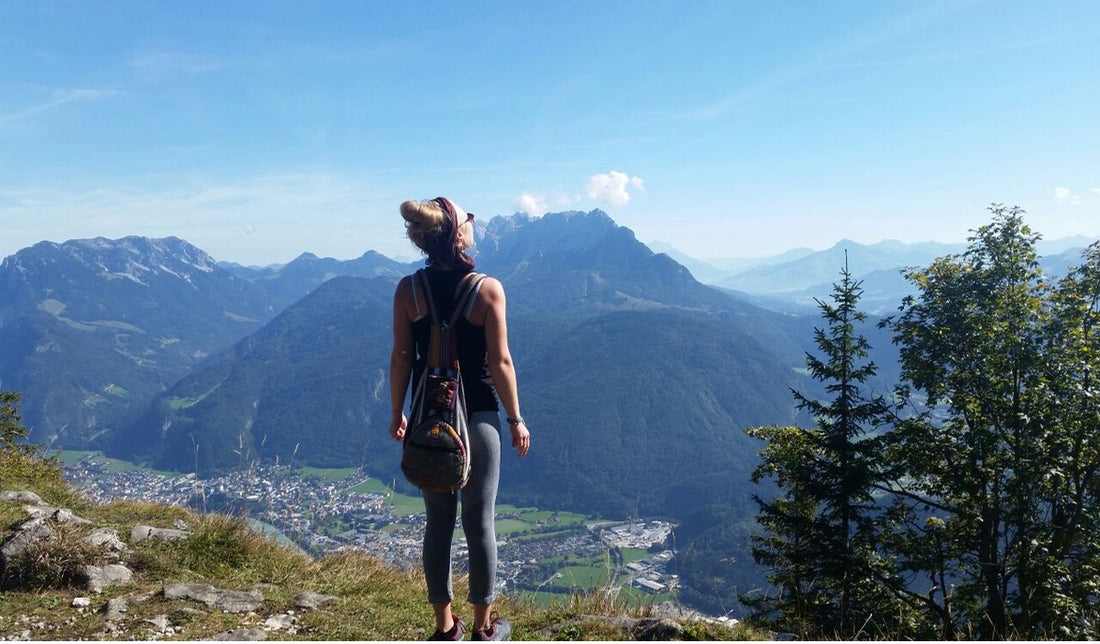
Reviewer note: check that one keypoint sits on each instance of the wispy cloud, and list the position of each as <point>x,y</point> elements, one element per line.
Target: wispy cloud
<point>56,99</point>
<point>172,63</point>
<point>846,49</point>
<point>1066,196</point>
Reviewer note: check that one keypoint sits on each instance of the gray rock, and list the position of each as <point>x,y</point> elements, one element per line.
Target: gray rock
<point>310,601</point>
<point>100,577</point>
<point>106,539</point>
<point>141,533</point>
<point>280,622</point>
<point>28,533</point>
<point>81,602</point>
<point>21,496</point>
<point>116,607</point>
<point>241,635</point>
<point>239,601</point>
<point>204,593</point>
<point>59,515</point>
<point>229,601</point>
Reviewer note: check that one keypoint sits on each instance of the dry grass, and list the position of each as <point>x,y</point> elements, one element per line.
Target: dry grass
<point>52,563</point>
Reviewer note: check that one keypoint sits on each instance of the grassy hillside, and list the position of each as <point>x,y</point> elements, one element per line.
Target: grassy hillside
<point>42,597</point>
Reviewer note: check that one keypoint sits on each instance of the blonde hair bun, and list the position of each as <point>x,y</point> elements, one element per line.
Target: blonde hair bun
<point>425,214</point>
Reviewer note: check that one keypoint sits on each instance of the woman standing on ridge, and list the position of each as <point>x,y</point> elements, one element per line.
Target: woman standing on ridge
<point>443,231</point>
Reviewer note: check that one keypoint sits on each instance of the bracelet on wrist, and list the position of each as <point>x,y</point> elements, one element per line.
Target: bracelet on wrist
<point>514,421</point>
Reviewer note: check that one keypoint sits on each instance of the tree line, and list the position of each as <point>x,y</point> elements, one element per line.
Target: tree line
<point>963,504</point>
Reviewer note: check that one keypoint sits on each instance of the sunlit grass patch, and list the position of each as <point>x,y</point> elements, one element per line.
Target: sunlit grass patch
<point>328,473</point>
<point>21,471</point>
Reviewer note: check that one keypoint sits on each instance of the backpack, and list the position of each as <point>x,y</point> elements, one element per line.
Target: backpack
<point>435,454</point>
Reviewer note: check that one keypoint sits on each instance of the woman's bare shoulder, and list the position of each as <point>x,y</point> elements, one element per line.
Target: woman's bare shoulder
<point>404,297</point>
<point>491,286</point>
<point>404,286</point>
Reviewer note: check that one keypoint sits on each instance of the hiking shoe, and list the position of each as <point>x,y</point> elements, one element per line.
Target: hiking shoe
<point>457,632</point>
<point>499,629</point>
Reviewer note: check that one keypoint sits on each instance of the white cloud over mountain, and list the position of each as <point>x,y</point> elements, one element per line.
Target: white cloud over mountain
<point>613,188</point>
<point>531,204</point>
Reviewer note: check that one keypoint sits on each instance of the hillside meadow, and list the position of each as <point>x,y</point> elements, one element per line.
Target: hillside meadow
<point>372,600</point>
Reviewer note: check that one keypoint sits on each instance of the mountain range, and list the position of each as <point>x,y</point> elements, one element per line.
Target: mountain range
<point>792,280</point>
<point>637,379</point>
<point>618,350</point>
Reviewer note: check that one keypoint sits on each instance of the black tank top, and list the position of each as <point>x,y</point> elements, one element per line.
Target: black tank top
<point>472,355</point>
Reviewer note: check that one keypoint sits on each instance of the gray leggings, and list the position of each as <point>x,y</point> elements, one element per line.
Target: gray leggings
<point>478,512</point>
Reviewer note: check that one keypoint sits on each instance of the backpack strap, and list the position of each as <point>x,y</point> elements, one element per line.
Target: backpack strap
<point>464,299</point>
<point>443,351</point>
<point>417,288</point>
<point>422,275</point>
<point>466,295</point>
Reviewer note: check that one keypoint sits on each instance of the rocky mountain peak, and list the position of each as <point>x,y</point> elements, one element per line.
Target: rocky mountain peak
<point>135,259</point>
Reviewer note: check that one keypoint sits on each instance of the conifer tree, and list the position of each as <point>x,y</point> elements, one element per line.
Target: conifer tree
<point>12,431</point>
<point>820,534</point>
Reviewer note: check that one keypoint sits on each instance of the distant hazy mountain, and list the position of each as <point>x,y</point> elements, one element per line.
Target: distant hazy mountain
<point>792,281</point>
<point>291,282</point>
<point>1071,245</point>
<point>712,271</point>
<point>822,266</point>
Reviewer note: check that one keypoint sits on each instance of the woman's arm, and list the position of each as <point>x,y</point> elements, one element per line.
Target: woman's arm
<point>492,308</point>
<point>401,357</point>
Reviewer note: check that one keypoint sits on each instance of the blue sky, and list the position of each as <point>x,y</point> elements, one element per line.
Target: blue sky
<point>261,130</point>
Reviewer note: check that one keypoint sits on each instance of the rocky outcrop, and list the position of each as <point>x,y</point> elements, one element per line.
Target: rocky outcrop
<point>46,524</point>
<point>42,529</point>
